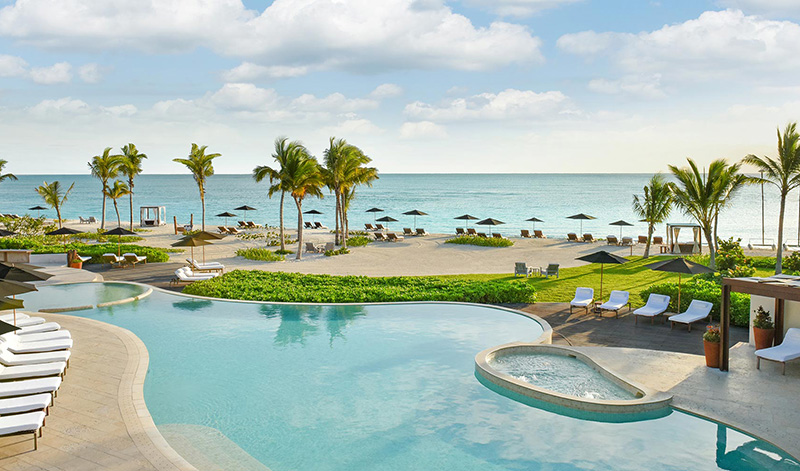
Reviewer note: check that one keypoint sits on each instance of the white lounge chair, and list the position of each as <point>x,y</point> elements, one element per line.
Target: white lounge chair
<point>186,275</point>
<point>38,328</point>
<point>657,304</point>
<point>788,350</point>
<point>697,310</point>
<point>32,371</point>
<point>30,386</point>
<point>23,320</point>
<point>15,345</point>
<point>38,337</point>
<point>12,359</point>
<point>16,405</point>
<point>208,266</point>
<point>23,424</point>
<point>616,301</point>
<point>133,259</point>
<point>583,298</point>
<point>113,259</point>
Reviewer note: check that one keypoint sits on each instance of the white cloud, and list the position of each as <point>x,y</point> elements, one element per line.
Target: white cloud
<point>518,7</point>
<point>386,90</point>
<point>360,35</point>
<point>243,96</point>
<point>508,104</point>
<point>353,126</point>
<point>12,66</point>
<point>249,72</point>
<point>56,73</point>
<point>90,73</point>
<point>335,102</point>
<point>765,7</point>
<point>422,130</point>
<point>647,86</point>
<point>60,106</point>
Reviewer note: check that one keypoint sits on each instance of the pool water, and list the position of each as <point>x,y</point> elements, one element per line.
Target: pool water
<point>387,388</point>
<point>78,294</point>
<point>560,373</point>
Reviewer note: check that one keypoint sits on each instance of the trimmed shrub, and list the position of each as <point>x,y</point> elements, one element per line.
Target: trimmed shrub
<point>339,251</point>
<point>96,251</point>
<point>358,241</point>
<point>482,241</point>
<point>294,287</point>
<point>260,254</point>
<point>704,290</point>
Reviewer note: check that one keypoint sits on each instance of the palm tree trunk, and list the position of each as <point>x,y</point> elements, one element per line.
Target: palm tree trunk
<point>116,208</point>
<point>103,217</point>
<point>130,199</point>
<point>58,214</point>
<point>779,256</point>
<point>716,224</point>
<point>338,221</point>
<point>203,204</point>
<point>283,236</point>
<point>343,222</point>
<point>650,229</point>
<point>712,263</point>
<point>299,204</point>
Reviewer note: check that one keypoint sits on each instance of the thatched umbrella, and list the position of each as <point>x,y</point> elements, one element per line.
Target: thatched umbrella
<point>415,213</point>
<point>581,217</point>
<point>602,257</point>
<point>681,266</point>
<point>191,242</point>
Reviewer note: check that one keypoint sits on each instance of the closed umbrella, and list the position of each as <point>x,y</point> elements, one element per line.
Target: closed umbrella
<point>119,232</point>
<point>533,222</point>
<point>602,257</point>
<point>374,212</point>
<point>64,231</point>
<point>387,220</point>
<point>244,208</point>
<point>581,217</point>
<point>490,222</point>
<point>191,242</point>
<point>415,213</point>
<point>681,266</point>
<point>226,215</point>
<point>313,213</point>
<point>466,217</point>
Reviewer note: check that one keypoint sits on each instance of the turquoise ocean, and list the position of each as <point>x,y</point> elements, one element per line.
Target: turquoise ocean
<point>511,198</point>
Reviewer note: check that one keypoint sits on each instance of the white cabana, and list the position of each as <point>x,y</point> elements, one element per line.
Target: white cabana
<point>152,216</point>
<point>684,248</point>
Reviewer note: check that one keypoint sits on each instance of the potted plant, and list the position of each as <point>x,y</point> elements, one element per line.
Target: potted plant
<point>763,329</point>
<point>711,346</point>
<point>74,261</point>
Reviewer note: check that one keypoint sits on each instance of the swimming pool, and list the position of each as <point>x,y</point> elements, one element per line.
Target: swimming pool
<point>79,294</point>
<point>387,387</point>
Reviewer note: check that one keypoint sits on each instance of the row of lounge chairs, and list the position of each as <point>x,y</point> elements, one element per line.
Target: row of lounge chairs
<point>657,305</point>
<point>33,364</point>
<point>248,225</point>
<point>89,220</point>
<point>376,227</point>
<point>316,225</point>
<point>389,237</point>
<point>10,216</point>
<point>419,232</point>
<point>228,230</point>
<point>120,261</point>
<point>472,232</point>
<point>312,248</point>
<point>537,234</point>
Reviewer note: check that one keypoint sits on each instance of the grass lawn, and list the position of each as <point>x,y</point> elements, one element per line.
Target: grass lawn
<point>632,277</point>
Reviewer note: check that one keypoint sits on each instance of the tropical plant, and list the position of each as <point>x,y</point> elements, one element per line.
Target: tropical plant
<point>762,319</point>
<point>54,196</point>
<point>201,166</point>
<point>284,150</point>
<point>654,206</point>
<point>712,334</point>
<point>731,260</point>
<point>105,167</point>
<point>729,183</point>
<point>5,176</point>
<point>130,168</point>
<point>481,241</point>
<point>784,173</point>
<point>260,254</point>
<point>302,178</point>
<point>117,191</point>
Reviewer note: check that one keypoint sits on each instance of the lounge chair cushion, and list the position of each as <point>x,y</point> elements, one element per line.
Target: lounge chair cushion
<point>30,422</point>
<point>39,328</point>
<point>788,350</point>
<point>11,359</point>
<point>32,371</point>
<point>583,297</point>
<point>29,386</point>
<point>697,310</point>
<point>616,301</point>
<point>15,405</point>
<point>656,304</point>
<point>39,347</point>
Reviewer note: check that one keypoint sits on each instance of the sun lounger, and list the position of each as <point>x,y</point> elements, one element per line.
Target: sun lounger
<point>37,337</point>
<point>698,310</point>
<point>23,424</point>
<point>379,236</point>
<point>482,235</point>
<point>82,221</point>
<point>133,259</point>
<point>253,225</point>
<point>497,235</point>
<point>242,224</point>
<point>589,238</point>
<point>318,225</point>
<point>232,230</point>
<point>113,259</point>
<point>330,247</point>
<point>311,248</point>
<point>308,225</point>
<point>23,321</point>
<point>658,240</point>
<point>186,275</point>
<point>16,405</point>
<point>642,239</point>
<point>788,350</point>
<point>82,258</point>
<point>407,231</point>
<point>205,267</point>
<point>612,240</point>
<point>583,298</point>
<point>551,270</point>
<point>30,386</point>
<point>471,231</point>
<point>369,227</point>
<point>42,346</point>
<point>39,328</point>
<point>392,237</point>
<point>522,269</point>
<point>92,220</point>
<point>460,231</point>
<point>379,227</point>
<point>525,233</point>
<point>538,234</point>
<point>12,359</point>
<point>421,232</point>
<point>572,237</point>
<point>657,305</point>
<point>627,241</point>
<point>616,301</point>
<point>222,229</point>
<point>32,371</point>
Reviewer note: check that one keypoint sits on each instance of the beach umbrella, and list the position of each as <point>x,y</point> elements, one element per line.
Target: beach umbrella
<point>313,213</point>
<point>387,220</point>
<point>205,235</point>
<point>490,222</point>
<point>5,328</point>
<point>244,208</point>
<point>533,221</point>
<point>22,272</point>
<point>38,210</point>
<point>5,233</point>
<point>11,303</point>
<point>466,217</point>
<point>415,213</point>
<point>681,266</point>
<point>581,217</point>
<point>602,257</point>
<point>64,231</point>
<point>119,232</point>
<point>13,288</point>
<point>621,224</point>
<point>374,212</point>
<point>191,242</point>
<point>226,215</point>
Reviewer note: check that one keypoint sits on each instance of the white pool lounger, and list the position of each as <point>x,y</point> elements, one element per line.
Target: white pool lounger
<point>13,337</point>
<point>616,301</point>
<point>39,328</point>
<point>697,311</point>
<point>16,405</point>
<point>38,370</point>
<point>12,359</point>
<point>30,386</point>
<point>22,424</point>
<point>788,350</point>
<point>657,304</point>
<point>583,298</point>
<point>38,347</point>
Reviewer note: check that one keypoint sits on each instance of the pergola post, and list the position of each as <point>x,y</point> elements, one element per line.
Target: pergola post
<point>725,327</point>
<point>780,307</point>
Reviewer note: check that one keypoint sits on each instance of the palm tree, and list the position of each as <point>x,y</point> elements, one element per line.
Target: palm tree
<point>118,190</point>
<point>700,195</point>
<point>783,173</point>
<point>654,207</point>
<point>284,150</point>
<point>5,176</point>
<point>131,167</point>
<point>201,166</point>
<point>105,167</point>
<point>303,177</point>
<point>729,183</point>
<point>54,196</point>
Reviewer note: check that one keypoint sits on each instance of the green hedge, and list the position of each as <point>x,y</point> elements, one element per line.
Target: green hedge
<point>259,254</point>
<point>295,287</point>
<point>358,241</point>
<point>482,241</point>
<point>704,290</point>
<point>96,251</point>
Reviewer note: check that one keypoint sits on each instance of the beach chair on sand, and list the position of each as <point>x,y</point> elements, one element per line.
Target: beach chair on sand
<point>522,269</point>
<point>788,350</point>
<point>572,237</point>
<point>311,248</point>
<point>642,239</point>
<point>379,236</point>
<point>627,241</point>
<point>616,301</point>
<point>232,230</point>
<point>589,238</point>
<point>497,235</point>
<point>460,231</point>
<point>583,298</point>
<point>92,220</point>
<point>551,270</point>
<point>658,240</point>
<point>379,227</point>
<point>421,232</point>
<point>318,225</point>
<point>407,231</point>
<point>471,231</point>
<point>242,224</point>
<point>308,225</point>
<point>368,227</point>
<point>538,234</point>
<point>657,305</point>
<point>252,225</point>
<point>525,233</point>
<point>482,235</point>
<point>82,221</point>
<point>221,229</point>
<point>697,310</point>
<point>612,240</point>
<point>392,237</point>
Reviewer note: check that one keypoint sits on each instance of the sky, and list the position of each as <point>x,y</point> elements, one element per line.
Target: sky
<point>529,86</point>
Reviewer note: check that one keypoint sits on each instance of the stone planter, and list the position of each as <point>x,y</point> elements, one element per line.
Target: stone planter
<point>763,337</point>
<point>712,353</point>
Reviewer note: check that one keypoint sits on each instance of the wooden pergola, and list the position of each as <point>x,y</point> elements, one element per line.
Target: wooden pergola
<point>780,287</point>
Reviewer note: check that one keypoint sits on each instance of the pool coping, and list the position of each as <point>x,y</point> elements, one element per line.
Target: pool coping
<point>147,292</point>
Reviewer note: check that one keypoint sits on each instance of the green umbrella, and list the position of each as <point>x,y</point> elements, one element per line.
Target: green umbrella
<point>602,257</point>
<point>13,288</point>
<point>10,303</point>
<point>387,220</point>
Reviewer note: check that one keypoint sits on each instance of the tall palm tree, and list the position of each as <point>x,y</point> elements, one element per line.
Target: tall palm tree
<point>729,183</point>
<point>654,207</point>
<point>284,150</point>
<point>783,172</point>
<point>5,176</point>
<point>699,194</point>
<point>201,166</point>
<point>303,177</point>
<point>117,191</point>
<point>131,167</point>
<point>54,196</point>
<point>105,167</point>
